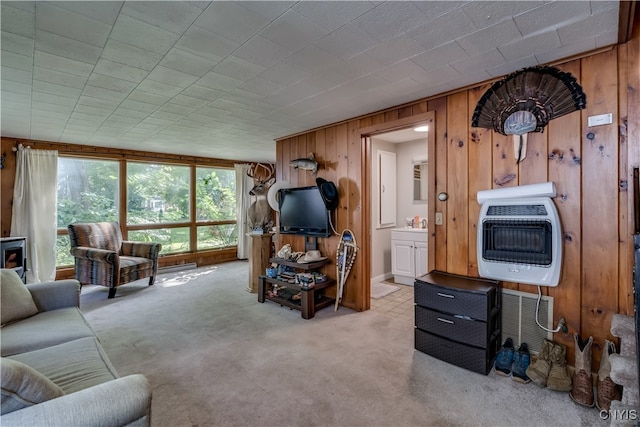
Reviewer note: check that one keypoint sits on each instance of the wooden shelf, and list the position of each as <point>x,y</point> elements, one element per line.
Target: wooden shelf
<point>308,266</point>
<point>312,299</point>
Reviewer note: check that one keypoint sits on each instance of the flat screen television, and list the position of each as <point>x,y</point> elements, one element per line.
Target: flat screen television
<point>303,212</point>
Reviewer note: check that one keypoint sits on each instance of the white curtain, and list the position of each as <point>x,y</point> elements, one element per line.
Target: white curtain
<point>35,195</point>
<point>244,183</point>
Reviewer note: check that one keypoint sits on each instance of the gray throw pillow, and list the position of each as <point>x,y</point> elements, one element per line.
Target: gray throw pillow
<point>23,386</point>
<point>15,299</point>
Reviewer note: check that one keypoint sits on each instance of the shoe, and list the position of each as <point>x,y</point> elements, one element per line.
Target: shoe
<point>582,391</point>
<point>521,361</point>
<point>606,388</point>
<point>538,371</point>
<point>559,379</point>
<point>504,359</point>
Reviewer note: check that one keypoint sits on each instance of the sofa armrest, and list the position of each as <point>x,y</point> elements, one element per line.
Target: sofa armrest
<point>121,402</point>
<point>94,254</point>
<point>53,295</point>
<point>141,249</point>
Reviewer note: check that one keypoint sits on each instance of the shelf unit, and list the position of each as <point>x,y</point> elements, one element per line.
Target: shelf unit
<point>312,299</point>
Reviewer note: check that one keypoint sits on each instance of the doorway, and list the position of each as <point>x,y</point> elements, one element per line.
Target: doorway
<point>414,190</point>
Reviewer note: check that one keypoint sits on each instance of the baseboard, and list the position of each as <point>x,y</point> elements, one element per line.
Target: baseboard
<point>177,267</point>
<point>381,278</point>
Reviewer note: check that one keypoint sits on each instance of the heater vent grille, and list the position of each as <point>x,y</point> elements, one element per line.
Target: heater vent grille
<point>519,318</point>
<point>517,210</point>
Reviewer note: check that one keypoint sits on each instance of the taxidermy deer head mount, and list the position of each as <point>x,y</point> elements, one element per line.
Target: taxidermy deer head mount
<point>259,214</point>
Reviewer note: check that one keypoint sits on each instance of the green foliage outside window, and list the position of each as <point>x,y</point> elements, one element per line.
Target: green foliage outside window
<point>157,193</point>
<point>215,194</point>
<point>173,240</point>
<point>88,191</point>
<point>216,201</point>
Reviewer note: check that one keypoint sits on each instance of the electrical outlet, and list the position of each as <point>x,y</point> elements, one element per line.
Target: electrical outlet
<point>438,218</point>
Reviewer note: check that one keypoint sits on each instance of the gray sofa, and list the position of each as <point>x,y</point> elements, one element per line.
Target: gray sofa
<point>54,370</point>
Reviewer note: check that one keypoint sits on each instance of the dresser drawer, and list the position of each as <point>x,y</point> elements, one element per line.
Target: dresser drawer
<point>450,300</point>
<point>465,331</point>
<point>471,358</point>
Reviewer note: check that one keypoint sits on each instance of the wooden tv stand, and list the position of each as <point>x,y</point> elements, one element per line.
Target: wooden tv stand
<point>312,299</point>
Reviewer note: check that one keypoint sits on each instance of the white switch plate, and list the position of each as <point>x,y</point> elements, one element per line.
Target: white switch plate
<point>438,218</point>
<point>601,119</point>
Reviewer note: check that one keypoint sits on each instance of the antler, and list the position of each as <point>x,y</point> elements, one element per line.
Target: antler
<point>270,168</point>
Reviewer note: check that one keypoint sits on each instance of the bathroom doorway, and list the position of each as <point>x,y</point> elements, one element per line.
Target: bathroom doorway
<point>412,194</point>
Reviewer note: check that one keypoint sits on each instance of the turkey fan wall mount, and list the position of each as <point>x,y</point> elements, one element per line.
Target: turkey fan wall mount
<point>525,101</point>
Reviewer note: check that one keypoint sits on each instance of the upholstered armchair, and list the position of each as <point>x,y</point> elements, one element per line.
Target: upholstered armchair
<point>103,258</point>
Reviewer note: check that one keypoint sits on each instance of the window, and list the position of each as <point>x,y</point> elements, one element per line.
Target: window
<point>174,240</point>
<point>87,192</point>
<point>216,208</point>
<point>159,197</point>
<point>157,193</point>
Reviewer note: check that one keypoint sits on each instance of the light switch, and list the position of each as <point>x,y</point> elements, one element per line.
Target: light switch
<point>438,218</point>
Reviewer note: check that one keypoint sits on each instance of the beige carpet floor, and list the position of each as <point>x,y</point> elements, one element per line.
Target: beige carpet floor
<point>217,357</point>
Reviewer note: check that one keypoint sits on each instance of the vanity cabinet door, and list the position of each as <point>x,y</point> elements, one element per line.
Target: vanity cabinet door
<point>402,258</point>
<point>422,259</point>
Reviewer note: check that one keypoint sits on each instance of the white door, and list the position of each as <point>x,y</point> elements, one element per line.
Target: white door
<point>402,258</point>
<point>387,200</point>
<point>422,264</point>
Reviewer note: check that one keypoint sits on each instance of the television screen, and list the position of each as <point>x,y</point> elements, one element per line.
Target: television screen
<point>303,212</point>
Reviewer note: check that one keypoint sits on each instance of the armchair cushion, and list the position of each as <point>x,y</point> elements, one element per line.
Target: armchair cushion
<point>15,299</point>
<point>98,235</point>
<point>23,386</point>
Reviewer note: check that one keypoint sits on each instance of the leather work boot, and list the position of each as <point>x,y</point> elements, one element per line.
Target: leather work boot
<point>607,389</point>
<point>582,391</point>
<point>538,371</point>
<point>559,379</point>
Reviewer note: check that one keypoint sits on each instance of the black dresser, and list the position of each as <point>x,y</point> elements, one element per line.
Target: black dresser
<point>458,319</point>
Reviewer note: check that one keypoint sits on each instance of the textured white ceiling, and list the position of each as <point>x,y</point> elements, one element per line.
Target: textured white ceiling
<point>224,79</point>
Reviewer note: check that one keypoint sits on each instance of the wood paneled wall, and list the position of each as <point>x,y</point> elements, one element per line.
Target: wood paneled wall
<point>591,167</point>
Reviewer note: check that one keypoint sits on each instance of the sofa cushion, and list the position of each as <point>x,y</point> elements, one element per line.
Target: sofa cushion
<point>23,386</point>
<point>73,366</point>
<point>43,330</point>
<point>15,298</point>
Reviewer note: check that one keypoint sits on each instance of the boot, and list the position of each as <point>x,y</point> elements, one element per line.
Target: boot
<point>582,391</point>
<point>538,371</point>
<point>607,389</point>
<point>559,379</point>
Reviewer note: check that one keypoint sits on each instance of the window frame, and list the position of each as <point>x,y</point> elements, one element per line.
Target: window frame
<point>192,223</point>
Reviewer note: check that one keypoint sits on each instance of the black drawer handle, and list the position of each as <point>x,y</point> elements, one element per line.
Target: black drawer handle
<point>440,319</point>
<point>440,294</point>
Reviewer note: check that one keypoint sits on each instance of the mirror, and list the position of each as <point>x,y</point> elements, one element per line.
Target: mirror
<point>420,181</point>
